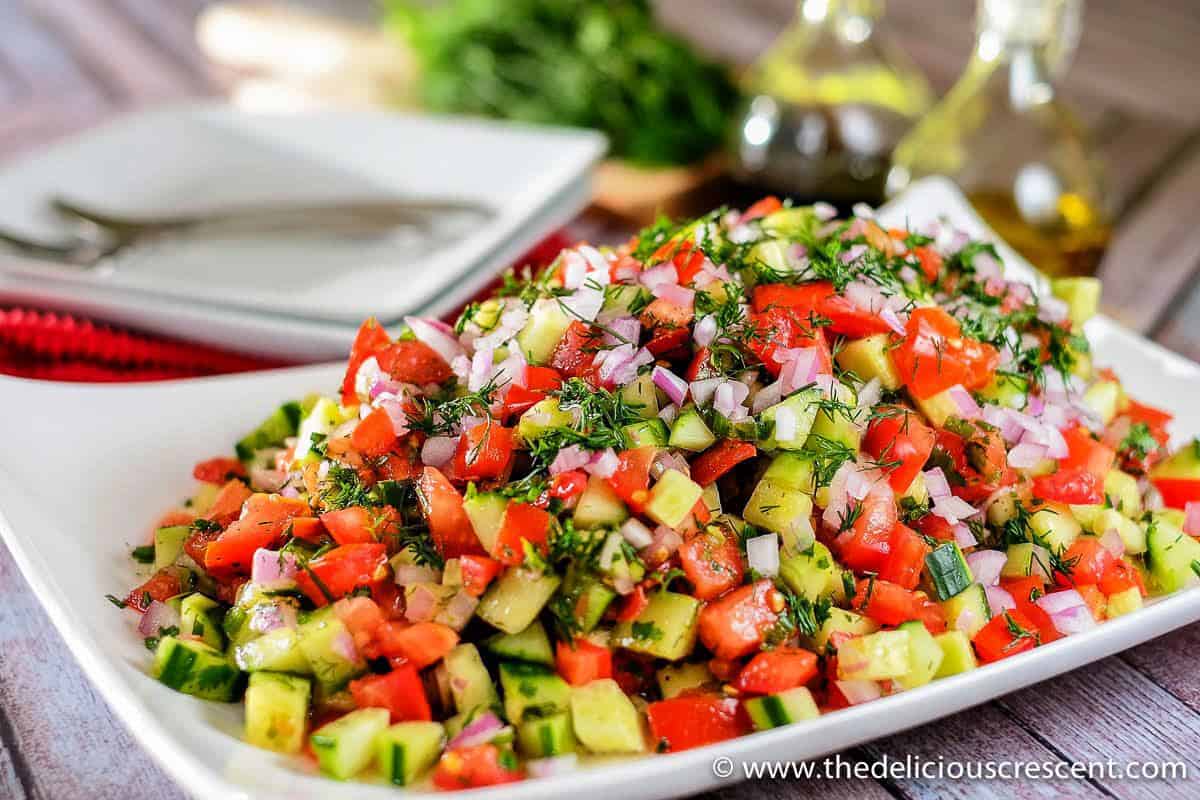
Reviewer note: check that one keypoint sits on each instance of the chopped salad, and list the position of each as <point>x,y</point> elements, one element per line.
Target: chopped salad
<point>733,474</point>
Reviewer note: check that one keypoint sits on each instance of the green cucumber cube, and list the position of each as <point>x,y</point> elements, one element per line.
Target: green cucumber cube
<point>549,736</point>
<point>513,602</point>
<point>195,668</point>
<point>407,750</point>
<point>775,710</point>
<point>672,498</point>
<point>605,719</point>
<point>277,711</point>
<point>346,746</point>
<point>665,628</point>
<point>531,691</point>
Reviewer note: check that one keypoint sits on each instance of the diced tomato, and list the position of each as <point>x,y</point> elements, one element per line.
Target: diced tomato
<point>931,615</point>
<point>1087,561</point>
<point>567,486</point>
<point>762,208</point>
<point>866,545</point>
<point>633,604</point>
<point>717,460</point>
<point>263,522</point>
<point>309,529</point>
<point>631,479</point>
<point>519,399</point>
<point>583,662</point>
<point>737,624</point>
<point>485,451</point>
<point>933,356</point>
<point>475,767</point>
<point>1154,418</point>
<point>1120,577</point>
<point>1026,589</point>
<point>359,524</point>
<point>988,451</point>
<point>778,670</point>
<point>542,379</point>
<point>807,301</point>
<point>342,570</point>
<point>522,523</point>
<point>478,572</point>
<point>931,262</point>
<point>906,558</point>
<point>538,381</point>
<point>1074,486</point>
<point>365,621</point>
<point>1087,454</point>
<point>1177,492</point>
<point>1006,635</point>
<point>712,561</point>
<point>227,505</point>
<point>371,340</point>
<point>374,434</point>
<point>899,441</point>
<point>423,643</point>
<point>414,362</point>
<point>575,352</point>
<point>1041,621</point>
<point>1097,603</point>
<point>218,470</point>
<point>935,527</point>
<point>694,720</point>
<point>700,367</point>
<point>402,464</point>
<point>780,328</point>
<point>884,601</point>
<point>399,691</point>
<point>664,341</point>
<point>161,586</point>
<point>448,523</point>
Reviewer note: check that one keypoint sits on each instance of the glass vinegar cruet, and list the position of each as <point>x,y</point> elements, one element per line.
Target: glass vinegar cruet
<point>828,101</point>
<point>1005,135</point>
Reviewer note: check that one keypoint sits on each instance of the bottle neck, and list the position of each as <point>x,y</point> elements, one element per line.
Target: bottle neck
<point>850,20</point>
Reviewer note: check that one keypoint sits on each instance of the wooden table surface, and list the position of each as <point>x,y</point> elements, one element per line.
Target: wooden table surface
<point>67,64</point>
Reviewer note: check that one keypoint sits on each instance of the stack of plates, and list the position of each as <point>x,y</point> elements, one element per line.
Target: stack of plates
<point>303,296</point>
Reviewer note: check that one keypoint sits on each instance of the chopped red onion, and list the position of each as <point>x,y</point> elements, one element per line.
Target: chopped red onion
<point>656,276</point>
<point>420,604</point>
<point>266,617</point>
<point>369,374</point>
<point>936,483</point>
<point>999,600</point>
<point>705,330</point>
<point>409,574</point>
<point>596,260</point>
<point>675,295</point>
<point>603,464</point>
<point>668,413</point>
<point>1026,455</point>
<point>854,253</point>
<point>728,399</point>
<point>437,336</point>
<point>481,370</point>
<point>273,569</point>
<point>553,765</point>
<point>627,330</point>
<point>963,536</point>
<point>157,615</point>
<point>863,211</point>
<point>666,542</point>
<point>703,390</point>
<point>1191,523</point>
<point>568,458</point>
<point>858,484</point>
<point>1057,602</point>
<point>859,692</point>
<point>1077,619</point>
<point>481,730</point>
<point>953,509</point>
<point>800,366</point>
<point>824,211</point>
<point>343,644</point>
<point>870,394</point>
<point>987,267</point>
<point>574,269</point>
<point>438,450</point>
<point>384,386</point>
<point>785,425</point>
<point>1051,310</point>
<point>966,620</point>
<point>1113,543</point>
<point>986,565</point>
<point>766,397</point>
<point>458,611</point>
<point>893,320</point>
<point>666,460</point>
<point>267,480</point>
<point>762,554</point>
<point>396,413</point>
<point>674,386</point>
<point>637,534</point>
<point>967,407</point>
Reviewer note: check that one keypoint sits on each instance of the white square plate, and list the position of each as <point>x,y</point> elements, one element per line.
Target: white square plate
<point>316,287</point>
<point>86,469</point>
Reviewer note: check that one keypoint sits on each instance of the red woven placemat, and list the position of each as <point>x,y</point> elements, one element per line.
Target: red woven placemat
<point>61,347</point>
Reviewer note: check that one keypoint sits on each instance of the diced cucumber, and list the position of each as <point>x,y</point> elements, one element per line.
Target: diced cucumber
<point>599,506</point>
<point>712,500</point>
<point>325,415</point>
<point>840,423</point>
<point>1170,554</point>
<point>968,611</point>
<point>486,512</point>
<point>615,564</point>
<point>948,570</point>
<point>813,574</point>
<point>925,656</point>
<point>346,746</point>
<point>531,691</point>
<point>1104,397</point>
<point>544,329</point>
<point>883,655</point>
<point>541,417</point>
<point>194,668</point>
<point>1007,389</point>
<point>1082,295</point>
<point>647,433</point>
<point>328,645</point>
<point>1122,489</point>
<point>605,719</point>
<point>1132,534</point>
<point>513,602</point>
<point>275,651</point>
<point>689,431</point>
<point>1086,515</point>
<point>1004,508</point>
<point>792,470</point>
<point>957,654</point>
<point>672,498</point>
<point>621,298</point>
<point>676,678</point>
<point>842,621</point>
<point>1183,463</point>
<point>797,222</point>
<point>168,544</point>
<point>530,645</point>
<point>407,750</point>
<point>1123,602</point>
<point>937,408</point>
<point>549,736</point>
<point>202,501</point>
<point>665,628</point>
<point>470,685</point>
<point>274,429</point>
<point>1026,558</point>
<point>1055,526</point>
<point>196,618</point>
<point>803,406</point>
<point>586,599</point>
<point>869,358</point>
<point>783,510</point>
<point>277,711</point>
<point>775,710</point>
<point>641,394</point>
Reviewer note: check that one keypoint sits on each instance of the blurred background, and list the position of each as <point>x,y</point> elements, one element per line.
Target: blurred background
<point>1073,129</point>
